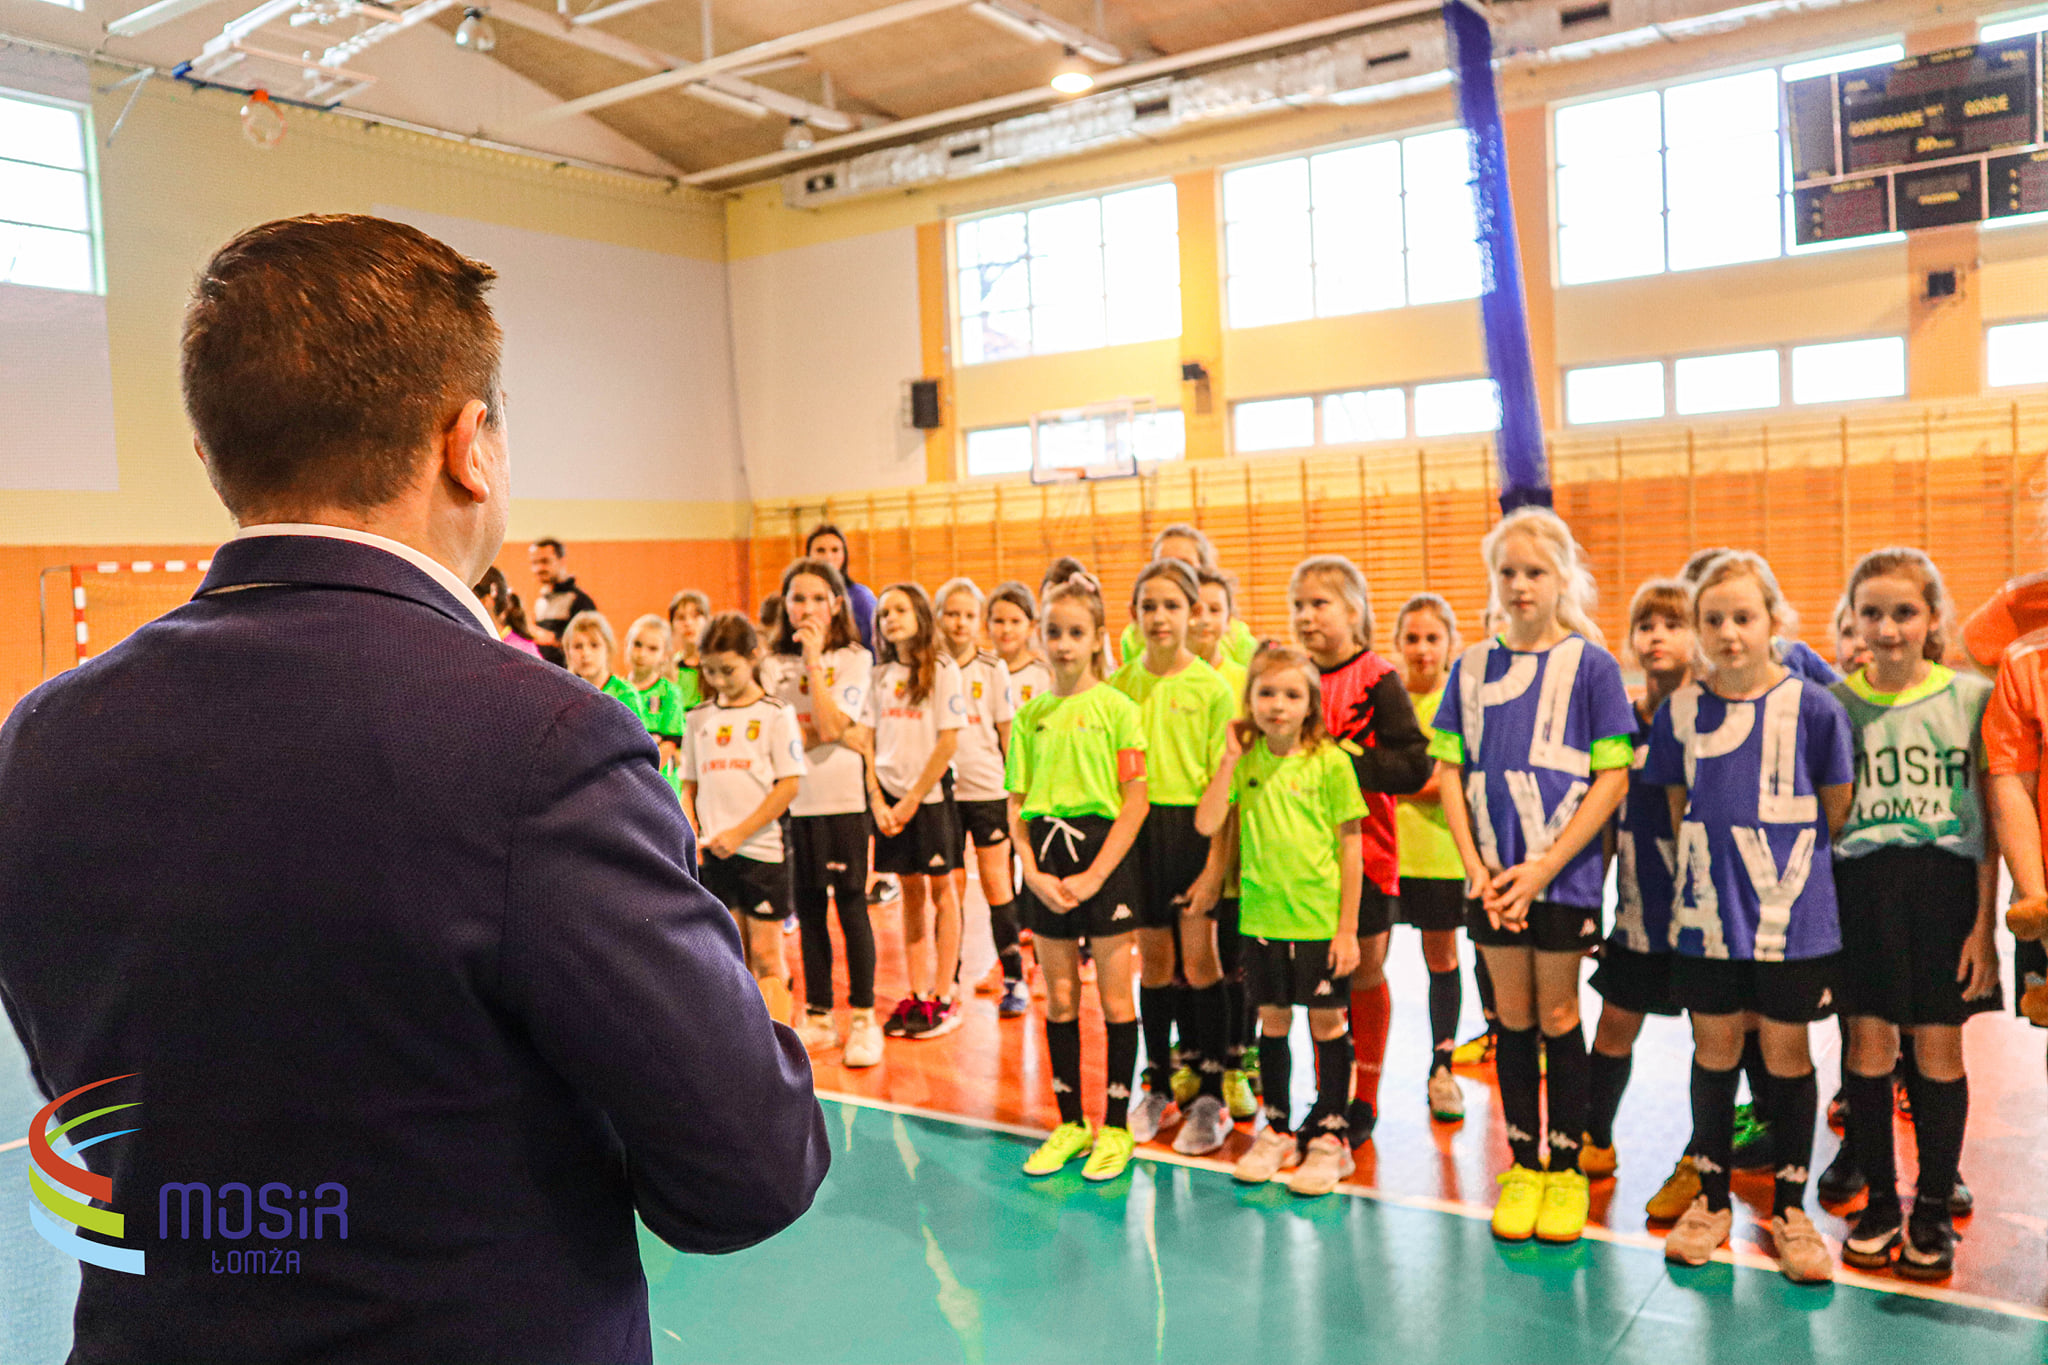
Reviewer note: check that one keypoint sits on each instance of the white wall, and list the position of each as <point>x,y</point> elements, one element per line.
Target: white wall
<point>618,373</point>
<point>823,338</point>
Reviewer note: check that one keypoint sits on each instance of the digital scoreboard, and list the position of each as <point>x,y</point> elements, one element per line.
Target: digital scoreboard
<point>1945,137</point>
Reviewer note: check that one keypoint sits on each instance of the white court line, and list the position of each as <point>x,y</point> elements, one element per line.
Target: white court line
<point>1644,1241</point>
<point>10,1146</point>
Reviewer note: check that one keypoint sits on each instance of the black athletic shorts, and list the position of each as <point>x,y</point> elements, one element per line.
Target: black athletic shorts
<point>1170,856</point>
<point>929,846</point>
<point>1375,909</point>
<point>1065,846</point>
<point>748,886</point>
<point>1906,913</point>
<point>1640,982</point>
<point>1551,928</point>
<point>1284,972</point>
<point>987,822</point>
<point>825,849</point>
<point>1796,992</point>
<point>1432,904</point>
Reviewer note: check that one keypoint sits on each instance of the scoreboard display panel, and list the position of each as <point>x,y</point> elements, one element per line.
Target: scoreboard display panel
<point>1943,137</point>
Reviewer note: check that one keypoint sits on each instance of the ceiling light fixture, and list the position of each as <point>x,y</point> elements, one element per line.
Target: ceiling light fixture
<point>1072,76</point>
<point>799,137</point>
<point>475,33</point>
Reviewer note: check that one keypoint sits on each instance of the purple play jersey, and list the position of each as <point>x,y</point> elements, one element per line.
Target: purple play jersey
<point>1648,856</point>
<point>1755,877</point>
<point>1531,729</point>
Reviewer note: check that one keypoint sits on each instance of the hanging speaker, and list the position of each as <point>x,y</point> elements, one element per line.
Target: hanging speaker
<point>924,404</point>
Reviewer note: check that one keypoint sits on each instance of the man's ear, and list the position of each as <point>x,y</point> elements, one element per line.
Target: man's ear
<point>463,457</point>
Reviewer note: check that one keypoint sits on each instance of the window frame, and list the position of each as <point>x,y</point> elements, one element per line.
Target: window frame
<point>1308,156</point>
<point>95,232</point>
<point>967,473</point>
<point>1786,403</point>
<point>1318,397</point>
<point>957,316</point>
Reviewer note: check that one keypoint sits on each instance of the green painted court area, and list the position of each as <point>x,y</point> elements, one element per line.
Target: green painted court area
<point>926,1245</point>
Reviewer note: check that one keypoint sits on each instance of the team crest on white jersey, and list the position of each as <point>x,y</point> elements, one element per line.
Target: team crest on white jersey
<point>725,734</point>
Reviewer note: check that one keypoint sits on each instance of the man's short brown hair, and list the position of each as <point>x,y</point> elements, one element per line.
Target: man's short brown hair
<point>322,354</point>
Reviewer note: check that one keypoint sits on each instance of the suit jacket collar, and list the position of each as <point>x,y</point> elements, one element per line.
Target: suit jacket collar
<point>318,561</point>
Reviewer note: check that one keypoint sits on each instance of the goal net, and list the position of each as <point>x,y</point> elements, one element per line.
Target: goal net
<point>87,609</point>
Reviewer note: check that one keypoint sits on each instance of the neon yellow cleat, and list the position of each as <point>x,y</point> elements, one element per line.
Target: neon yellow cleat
<point>1113,1148</point>
<point>1068,1141</point>
<point>1186,1085</point>
<point>1476,1051</point>
<point>1566,1200</point>
<point>1521,1200</point>
<point>1237,1094</point>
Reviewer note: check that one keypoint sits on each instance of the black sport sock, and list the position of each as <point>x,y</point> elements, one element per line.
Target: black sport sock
<point>1063,1050</point>
<point>1567,1086</point>
<point>1333,1087</point>
<point>1121,1060</point>
<point>1204,1010</point>
<point>1713,1130</point>
<point>1867,1130</point>
<point>1483,979</point>
<point>1446,993</point>
<point>1236,1027</point>
<point>1521,1102</point>
<point>1941,1109</point>
<point>1003,923</point>
<point>1756,1072</point>
<point>1276,1070</point>
<point>1792,1101</point>
<point>1606,1077</point>
<point>1155,1014</point>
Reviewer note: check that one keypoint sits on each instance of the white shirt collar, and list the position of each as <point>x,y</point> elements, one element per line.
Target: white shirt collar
<point>432,568</point>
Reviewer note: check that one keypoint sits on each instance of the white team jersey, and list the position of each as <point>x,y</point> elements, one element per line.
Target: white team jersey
<point>1027,682</point>
<point>978,768</point>
<point>907,731</point>
<point>735,755</point>
<point>835,783</point>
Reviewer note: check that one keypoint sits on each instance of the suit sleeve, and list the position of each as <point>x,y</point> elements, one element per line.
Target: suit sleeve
<point>628,977</point>
<point>1398,761</point>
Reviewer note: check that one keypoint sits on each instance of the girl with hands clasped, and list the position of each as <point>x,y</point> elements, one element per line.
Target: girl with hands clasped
<point>1916,874</point>
<point>1076,776</point>
<point>915,711</point>
<point>821,670</point>
<point>1299,811</point>
<point>742,760</point>
<point>1533,742</point>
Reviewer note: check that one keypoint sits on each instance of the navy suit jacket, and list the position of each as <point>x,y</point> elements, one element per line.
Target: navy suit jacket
<point>366,897</point>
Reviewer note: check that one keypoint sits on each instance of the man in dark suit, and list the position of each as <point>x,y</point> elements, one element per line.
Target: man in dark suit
<point>375,915</point>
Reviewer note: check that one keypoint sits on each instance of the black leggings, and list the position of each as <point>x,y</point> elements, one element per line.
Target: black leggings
<point>834,861</point>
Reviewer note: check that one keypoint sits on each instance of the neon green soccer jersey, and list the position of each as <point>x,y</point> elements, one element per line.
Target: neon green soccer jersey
<point>1063,752</point>
<point>1184,713</point>
<point>1288,811</point>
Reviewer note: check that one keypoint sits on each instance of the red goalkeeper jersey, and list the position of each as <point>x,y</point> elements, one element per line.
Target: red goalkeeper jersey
<point>1368,710</point>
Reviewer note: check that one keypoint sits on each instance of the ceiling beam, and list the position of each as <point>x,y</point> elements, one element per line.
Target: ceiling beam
<point>149,16</point>
<point>1035,25</point>
<point>829,148</point>
<point>551,25</point>
<point>900,12</point>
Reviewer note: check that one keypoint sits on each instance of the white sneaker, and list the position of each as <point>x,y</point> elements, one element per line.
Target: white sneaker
<point>1152,1112</point>
<point>1272,1152</point>
<point>816,1031</point>
<point>1328,1161</point>
<point>1446,1098</point>
<point>1207,1128</point>
<point>863,1041</point>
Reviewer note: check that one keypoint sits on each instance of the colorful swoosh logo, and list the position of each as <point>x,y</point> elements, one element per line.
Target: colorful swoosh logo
<point>63,1202</point>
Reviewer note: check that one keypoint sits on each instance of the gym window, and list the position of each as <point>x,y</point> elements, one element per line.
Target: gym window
<point>49,219</point>
<point>1381,225</point>
<point>1070,276</point>
<point>1006,451</point>
<point>1683,177</point>
<point>1747,381</point>
<point>2016,353</point>
<point>1361,416</point>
